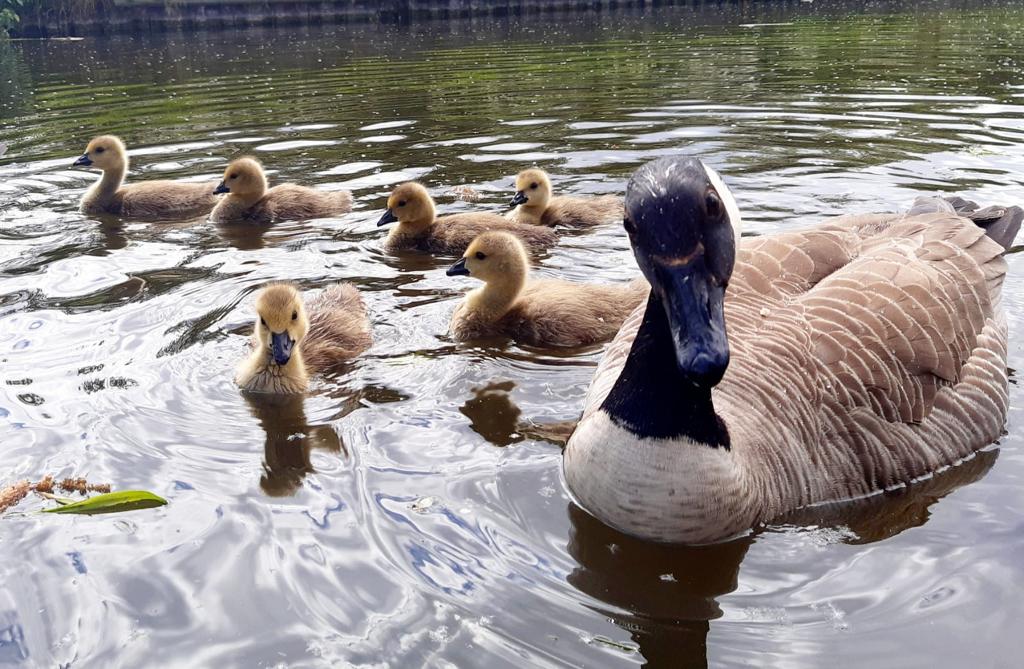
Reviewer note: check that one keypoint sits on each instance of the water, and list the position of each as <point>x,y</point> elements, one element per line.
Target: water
<point>400,514</point>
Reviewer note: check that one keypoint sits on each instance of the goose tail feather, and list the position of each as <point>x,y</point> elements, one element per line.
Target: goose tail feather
<point>1000,223</point>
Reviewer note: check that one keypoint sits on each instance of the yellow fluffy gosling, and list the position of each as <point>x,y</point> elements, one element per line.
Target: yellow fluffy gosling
<point>149,199</point>
<point>536,312</point>
<point>418,228</point>
<point>250,201</point>
<point>535,205</point>
<point>289,344</point>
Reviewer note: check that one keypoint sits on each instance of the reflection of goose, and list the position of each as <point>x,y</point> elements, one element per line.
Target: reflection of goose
<point>147,199</point>
<point>411,206</point>
<point>865,353</point>
<point>534,204</point>
<point>492,413</point>
<point>669,593</point>
<point>289,441</point>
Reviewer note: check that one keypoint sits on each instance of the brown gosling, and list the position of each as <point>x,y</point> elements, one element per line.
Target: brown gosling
<point>250,201</point>
<point>149,199</point>
<point>536,312</point>
<point>535,205</point>
<point>418,227</point>
<point>290,343</point>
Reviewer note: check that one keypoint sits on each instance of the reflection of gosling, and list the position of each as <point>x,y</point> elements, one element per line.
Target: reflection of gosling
<point>149,199</point>
<point>412,207</point>
<point>535,205</point>
<point>537,312</point>
<point>249,200</point>
<point>289,345</point>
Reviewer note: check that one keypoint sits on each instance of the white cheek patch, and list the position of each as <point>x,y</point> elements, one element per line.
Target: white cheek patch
<point>730,202</point>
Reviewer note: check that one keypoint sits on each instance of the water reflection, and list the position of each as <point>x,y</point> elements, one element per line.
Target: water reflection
<point>290,440</point>
<point>492,413</point>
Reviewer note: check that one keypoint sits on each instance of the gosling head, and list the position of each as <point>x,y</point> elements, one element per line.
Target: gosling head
<point>281,321</point>
<point>682,224</point>
<point>409,203</point>
<point>244,177</point>
<point>493,256</point>
<point>533,189</point>
<point>105,152</point>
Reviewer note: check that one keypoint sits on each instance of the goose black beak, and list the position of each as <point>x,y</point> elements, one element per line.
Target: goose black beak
<point>281,347</point>
<point>84,161</point>
<point>458,269</point>
<point>221,188</point>
<point>518,199</point>
<point>388,217</point>
<point>694,302</point>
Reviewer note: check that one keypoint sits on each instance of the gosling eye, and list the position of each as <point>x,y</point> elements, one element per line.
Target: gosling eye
<point>295,315</point>
<point>100,149</point>
<point>533,186</point>
<point>233,176</point>
<point>480,255</point>
<point>630,227</point>
<point>401,203</point>
<point>263,322</point>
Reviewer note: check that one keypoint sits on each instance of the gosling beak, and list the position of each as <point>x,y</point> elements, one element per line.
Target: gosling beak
<point>458,269</point>
<point>84,161</point>
<point>281,347</point>
<point>388,217</point>
<point>694,304</point>
<point>221,188</point>
<point>518,199</point>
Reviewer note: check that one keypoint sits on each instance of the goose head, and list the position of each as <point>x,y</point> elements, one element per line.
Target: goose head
<point>493,257</point>
<point>683,225</point>
<point>244,177</point>
<point>533,189</point>
<point>106,152</point>
<point>409,203</point>
<point>281,322</point>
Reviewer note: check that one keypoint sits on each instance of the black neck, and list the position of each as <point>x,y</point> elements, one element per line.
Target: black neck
<point>652,398</point>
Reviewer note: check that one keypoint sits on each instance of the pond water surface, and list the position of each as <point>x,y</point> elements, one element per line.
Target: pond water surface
<point>402,514</point>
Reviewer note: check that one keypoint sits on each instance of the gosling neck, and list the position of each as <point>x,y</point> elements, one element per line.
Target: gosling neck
<point>261,374</point>
<point>496,297</point>
<point>110,181</point>
<point>412,228</point>
<point>653,399</point>
<point>245,200</point>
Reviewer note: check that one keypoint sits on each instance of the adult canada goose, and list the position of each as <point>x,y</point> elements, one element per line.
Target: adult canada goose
<point>534,204</point>
<point>148,199</point>
<point>290,343</point>
<point>861,355</point>
<point>411,206</point>
<point>539,312</point>
<point>249,200</point>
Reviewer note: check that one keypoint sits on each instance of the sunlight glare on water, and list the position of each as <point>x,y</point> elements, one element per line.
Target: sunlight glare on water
<point>400,514</point>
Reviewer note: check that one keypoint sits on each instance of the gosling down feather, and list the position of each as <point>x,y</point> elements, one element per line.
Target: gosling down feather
<point>291,342</point>
<point>147,200</point>
<point>534,204</point>
<point>248,199</point>
<point>542,312</point>
<point>411,206</point>
<point>861,355</point>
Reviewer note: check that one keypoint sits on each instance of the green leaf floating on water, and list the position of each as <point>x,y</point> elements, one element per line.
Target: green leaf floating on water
<point>112,502</point>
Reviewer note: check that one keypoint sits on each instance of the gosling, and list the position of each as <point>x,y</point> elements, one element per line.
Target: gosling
<point>534,205</point>
<point>545,312</point>
<point>418,228</point>
<point>289,345</point>
<point>147,200</point>
<point>250,201</point>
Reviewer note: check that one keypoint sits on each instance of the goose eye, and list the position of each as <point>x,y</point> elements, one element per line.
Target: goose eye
<point>533,185</point>
<point>263,322</point>
<point>629,226</point>
<point>295,315</point>
<point>100,149</point>
<point>401,203</point>
<point>480,255</point>
<point>713,204</point>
